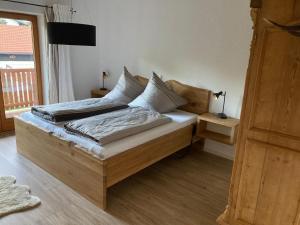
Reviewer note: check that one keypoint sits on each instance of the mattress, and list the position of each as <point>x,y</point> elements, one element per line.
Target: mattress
<point>180,119</point>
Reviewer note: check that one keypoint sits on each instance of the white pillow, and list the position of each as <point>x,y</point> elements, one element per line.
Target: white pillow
<point>157,96</point>
<point>127,88</point>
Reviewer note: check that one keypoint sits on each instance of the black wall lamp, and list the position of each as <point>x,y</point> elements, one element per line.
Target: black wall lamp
<point>217,96</point>
<point>104,76</point>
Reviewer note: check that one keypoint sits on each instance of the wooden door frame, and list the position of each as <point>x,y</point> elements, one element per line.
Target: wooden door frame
<point>37,63</point>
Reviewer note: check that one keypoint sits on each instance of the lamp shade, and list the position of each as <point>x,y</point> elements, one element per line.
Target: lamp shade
<point>218,94</point>
<point>71,34</point>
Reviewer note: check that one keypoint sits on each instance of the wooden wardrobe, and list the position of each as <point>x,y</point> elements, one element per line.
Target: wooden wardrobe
<point>265,184</point>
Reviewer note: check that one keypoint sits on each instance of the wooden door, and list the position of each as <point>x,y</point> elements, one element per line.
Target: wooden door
<point>20,69</point>
<point>265,185</point>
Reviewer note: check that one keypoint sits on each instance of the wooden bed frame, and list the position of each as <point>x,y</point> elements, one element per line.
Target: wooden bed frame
<point>92,176</point>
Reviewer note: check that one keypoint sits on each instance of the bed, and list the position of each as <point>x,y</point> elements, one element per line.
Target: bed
<point>91,170</point>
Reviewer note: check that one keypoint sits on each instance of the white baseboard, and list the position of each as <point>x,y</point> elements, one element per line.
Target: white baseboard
<point>219,149</point>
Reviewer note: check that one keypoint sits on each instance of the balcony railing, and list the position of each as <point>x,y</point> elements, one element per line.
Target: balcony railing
<point>19,88</point>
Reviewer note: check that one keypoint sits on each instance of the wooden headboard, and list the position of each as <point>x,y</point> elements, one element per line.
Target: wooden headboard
<point>198,98</point>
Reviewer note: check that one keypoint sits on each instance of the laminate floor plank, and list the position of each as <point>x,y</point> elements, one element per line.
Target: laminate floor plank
<point>175,191</point>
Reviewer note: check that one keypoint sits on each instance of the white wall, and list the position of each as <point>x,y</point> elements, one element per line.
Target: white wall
<point>199,42</point>
<point>85,60</point>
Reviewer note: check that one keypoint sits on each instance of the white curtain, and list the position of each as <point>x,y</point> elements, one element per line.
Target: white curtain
<point>59,65</point>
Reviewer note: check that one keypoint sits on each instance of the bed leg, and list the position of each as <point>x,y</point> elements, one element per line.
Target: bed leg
<point>187,150</point>
<point>101,201</point>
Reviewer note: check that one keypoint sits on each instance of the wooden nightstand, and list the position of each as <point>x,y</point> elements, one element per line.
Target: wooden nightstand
<point>98,93</point>
<point>206,118</point>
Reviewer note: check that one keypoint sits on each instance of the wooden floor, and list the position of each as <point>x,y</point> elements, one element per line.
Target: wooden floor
<point>187,191</point>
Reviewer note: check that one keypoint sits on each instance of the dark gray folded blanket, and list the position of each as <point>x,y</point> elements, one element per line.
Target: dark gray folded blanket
<point>116,125</point>
<point>76,110</point>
